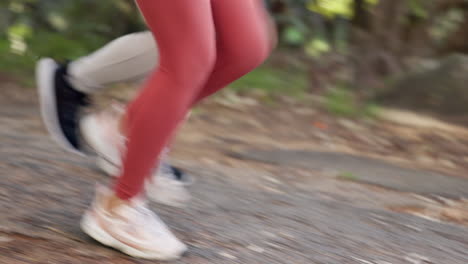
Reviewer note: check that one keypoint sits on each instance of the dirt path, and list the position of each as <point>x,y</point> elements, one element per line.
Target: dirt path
<point>243,211</point>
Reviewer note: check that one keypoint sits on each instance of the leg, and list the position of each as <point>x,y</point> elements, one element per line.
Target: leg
<point>63,89</point>
<point>185,35</point>
<point>128,58</point>
<point>244,40</point>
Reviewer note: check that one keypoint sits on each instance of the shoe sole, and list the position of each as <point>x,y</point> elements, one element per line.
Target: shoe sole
<point>90,227</point>
<point>45,78</point>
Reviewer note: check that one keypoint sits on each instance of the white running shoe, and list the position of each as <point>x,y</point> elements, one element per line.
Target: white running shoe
<point>100,131</point>
<point>163,188</point>
<point>131,228</point>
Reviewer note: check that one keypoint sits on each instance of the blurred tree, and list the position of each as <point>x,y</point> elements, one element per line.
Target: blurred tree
<point>392,31</point>
<point>376,36</point>
<point>54,25</point>
<point>456,19</point>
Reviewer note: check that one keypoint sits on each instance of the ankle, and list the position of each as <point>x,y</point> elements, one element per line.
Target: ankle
<point>112,202</point>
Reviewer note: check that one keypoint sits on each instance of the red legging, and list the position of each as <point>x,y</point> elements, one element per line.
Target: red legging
<point>204,46</point>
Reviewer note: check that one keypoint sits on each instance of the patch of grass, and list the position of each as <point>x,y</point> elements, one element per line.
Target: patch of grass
<point>372,110</point>
<point>348,176</point>
<point>292,82</point>
<point>342,102</point>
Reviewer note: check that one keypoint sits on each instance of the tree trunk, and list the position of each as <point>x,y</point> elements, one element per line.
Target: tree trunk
<point>377,44</point>
<point>458,40</point>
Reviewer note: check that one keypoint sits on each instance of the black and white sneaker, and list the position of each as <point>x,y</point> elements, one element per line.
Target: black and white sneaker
<point>60,104</point>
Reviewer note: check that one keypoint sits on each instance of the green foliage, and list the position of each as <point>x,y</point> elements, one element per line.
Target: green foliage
<point>293,36</point>
<point>61,29</point>
<point>66,29</point>
<point>32,24</point>
<point>292,82</point>
<point>446,25</point>
<point>343,102</point>
<point>316,47</point>
<point>91,22</point>
<point>334,8</point>
<point>58,46</point>
<point>318,26</point>
<point>417,8</point>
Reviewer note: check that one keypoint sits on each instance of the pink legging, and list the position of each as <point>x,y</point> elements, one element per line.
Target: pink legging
<point>204,46</point>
